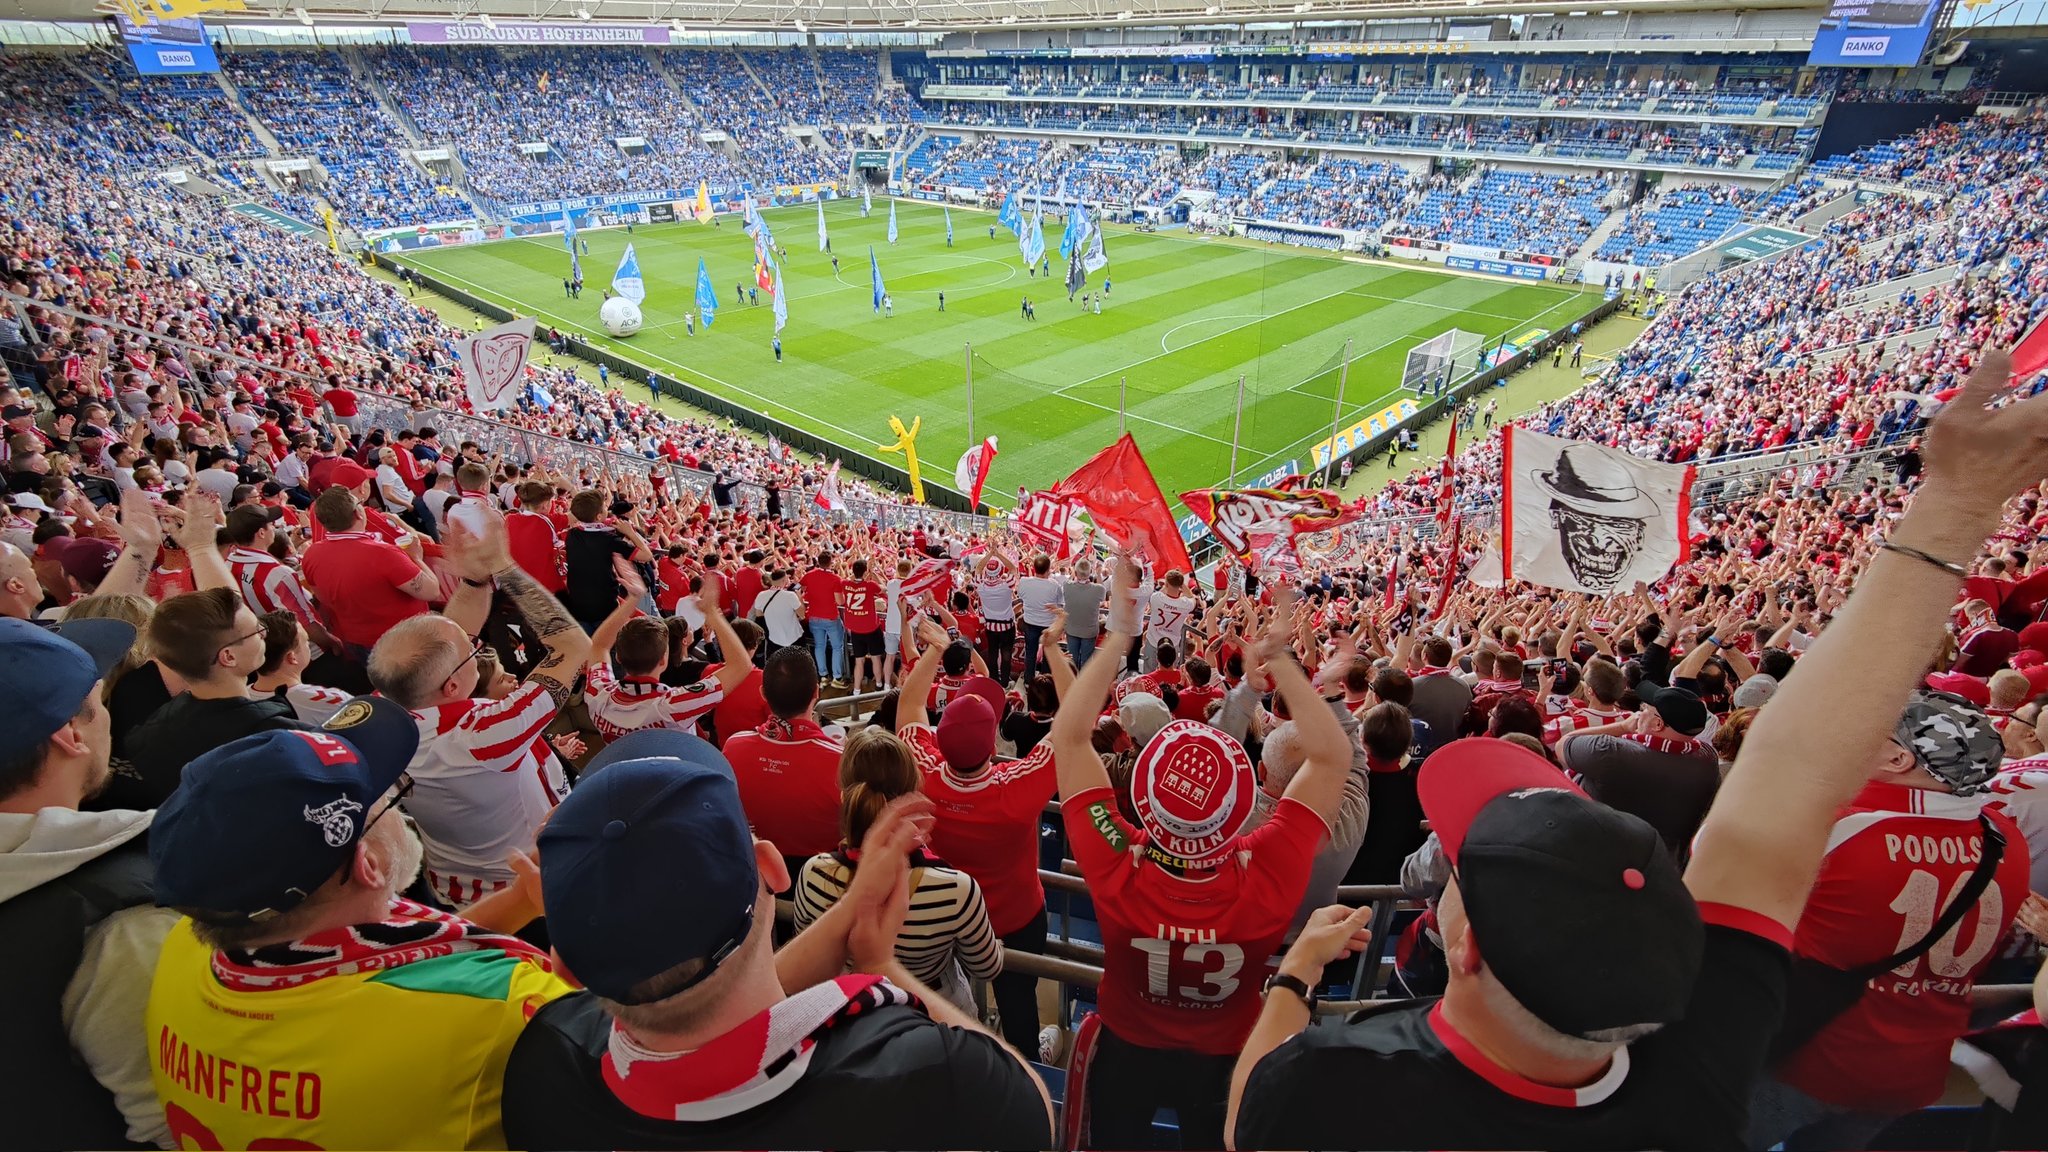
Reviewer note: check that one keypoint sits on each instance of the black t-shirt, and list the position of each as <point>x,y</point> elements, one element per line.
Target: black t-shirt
<point>1025,731</point>
<point>1400,1078</point>
<point>593,588</point>
<point>136,697</point>
<point>889,1078</point>
<point>188,727</point>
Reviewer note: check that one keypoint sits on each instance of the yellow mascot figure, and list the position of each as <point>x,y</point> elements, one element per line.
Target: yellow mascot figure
<point>906,443</point>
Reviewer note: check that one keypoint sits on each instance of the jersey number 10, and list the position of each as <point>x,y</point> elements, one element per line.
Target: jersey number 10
<point>1917,902</point>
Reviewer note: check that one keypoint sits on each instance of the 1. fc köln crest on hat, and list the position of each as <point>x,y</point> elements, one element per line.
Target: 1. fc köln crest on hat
<point>1193,789</point>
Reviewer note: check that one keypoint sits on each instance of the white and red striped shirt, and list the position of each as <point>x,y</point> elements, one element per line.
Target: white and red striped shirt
<point>270,585</point>
<point>2020,790</point>
<point>1578,718</point>
<point>483,781</point>
<point>621,706</point>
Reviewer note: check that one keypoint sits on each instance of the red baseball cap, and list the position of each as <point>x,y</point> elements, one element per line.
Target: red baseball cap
<point>967,732</point>
<point>1958,684</point>
<point>347,474</point>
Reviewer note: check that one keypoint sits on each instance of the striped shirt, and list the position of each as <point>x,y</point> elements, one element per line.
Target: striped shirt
<point>621,706</point>
<point>269,585</point>
<point>945,940</point>
<point>484,779</point>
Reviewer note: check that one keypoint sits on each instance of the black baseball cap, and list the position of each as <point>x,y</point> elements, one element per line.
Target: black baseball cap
<point>1681,710</point>
<point>1578,909</point>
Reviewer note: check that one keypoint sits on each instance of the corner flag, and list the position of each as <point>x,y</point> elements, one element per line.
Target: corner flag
<point>875,275</point>
<point>626,281</point>
<point>707,296</point>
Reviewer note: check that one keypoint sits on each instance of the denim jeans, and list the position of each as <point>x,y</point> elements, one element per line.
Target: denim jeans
<point>828,643</point>
<point>1079,649</point>
<point>1031,634</point>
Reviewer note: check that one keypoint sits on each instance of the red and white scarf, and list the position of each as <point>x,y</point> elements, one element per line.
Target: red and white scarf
<point>791,730</point>
<point>748,1066</point>
<point>1676,746</point>
<point>413,932</point>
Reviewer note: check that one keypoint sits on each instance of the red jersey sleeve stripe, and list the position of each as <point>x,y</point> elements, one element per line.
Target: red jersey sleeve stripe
<point>501,730</point>
<point>1743,920</point>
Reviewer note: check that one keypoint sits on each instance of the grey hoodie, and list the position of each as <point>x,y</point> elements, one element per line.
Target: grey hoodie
<point>103,1005</point>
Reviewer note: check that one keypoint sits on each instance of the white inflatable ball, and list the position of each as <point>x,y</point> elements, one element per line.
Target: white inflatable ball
<point>620,316</point>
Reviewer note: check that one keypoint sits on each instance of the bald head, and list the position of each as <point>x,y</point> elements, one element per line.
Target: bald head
<point>423,662</point>
<point>20,591</point>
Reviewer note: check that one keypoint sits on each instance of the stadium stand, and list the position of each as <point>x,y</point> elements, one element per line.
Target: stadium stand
<point>209,343</point>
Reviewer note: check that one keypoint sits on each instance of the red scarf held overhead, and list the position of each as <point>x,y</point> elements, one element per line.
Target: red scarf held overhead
<point>411,933</point>
<point>748,1066</point>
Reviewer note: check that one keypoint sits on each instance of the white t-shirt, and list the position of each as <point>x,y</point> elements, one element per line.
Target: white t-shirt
<point>391,486</point>
<point>998,603</point>
<point>780,608</point>
<point>892,618</point>
<point>221,484</point>
<point>1169,618</point>
<point>1039,597</point>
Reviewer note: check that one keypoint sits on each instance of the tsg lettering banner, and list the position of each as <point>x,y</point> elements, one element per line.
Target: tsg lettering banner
<point>449,32</point>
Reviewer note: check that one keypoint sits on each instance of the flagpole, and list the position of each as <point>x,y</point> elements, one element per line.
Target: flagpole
<point>1337,420</point>
<point>970,388</point>
<point>1123,388</point>
<point>1236,427</point>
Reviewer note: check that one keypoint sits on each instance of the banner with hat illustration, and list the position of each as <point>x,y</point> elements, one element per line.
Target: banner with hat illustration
<point>494,363</point>
<point>1583,517</point>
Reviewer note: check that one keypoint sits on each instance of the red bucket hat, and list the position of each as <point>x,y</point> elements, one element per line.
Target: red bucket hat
<point>1193,788</point>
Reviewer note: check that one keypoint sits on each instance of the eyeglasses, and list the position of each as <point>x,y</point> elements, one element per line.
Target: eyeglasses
<point>476,649</point>
<point>400,791</point>
<point>237,640</point>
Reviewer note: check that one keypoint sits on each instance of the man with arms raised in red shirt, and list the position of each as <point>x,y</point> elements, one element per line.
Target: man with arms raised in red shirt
<point>986,813</point>
<point>1192,907</point>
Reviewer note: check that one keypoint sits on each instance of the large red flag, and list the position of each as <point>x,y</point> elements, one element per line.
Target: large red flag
<point>1445,485</point>
<point>2031,354</point>
<point>1125,502</point>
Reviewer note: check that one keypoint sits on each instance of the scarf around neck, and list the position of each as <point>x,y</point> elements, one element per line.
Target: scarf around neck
<point>411,933</point>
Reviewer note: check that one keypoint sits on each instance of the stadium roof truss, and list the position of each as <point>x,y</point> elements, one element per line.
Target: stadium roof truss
<point>929,16</point>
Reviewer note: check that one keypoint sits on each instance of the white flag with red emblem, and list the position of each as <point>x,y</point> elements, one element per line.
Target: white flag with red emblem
<point>494,364</point>
<point>972,470</point>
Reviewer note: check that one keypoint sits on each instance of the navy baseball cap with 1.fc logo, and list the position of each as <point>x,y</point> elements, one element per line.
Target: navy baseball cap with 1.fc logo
<point>256,825</point>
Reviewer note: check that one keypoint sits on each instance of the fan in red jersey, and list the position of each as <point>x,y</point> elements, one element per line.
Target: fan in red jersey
<point>1192,908</point>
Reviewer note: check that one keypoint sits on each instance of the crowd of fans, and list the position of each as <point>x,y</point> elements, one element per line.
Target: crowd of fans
<point>330,731</point>
<point>1679,221</point>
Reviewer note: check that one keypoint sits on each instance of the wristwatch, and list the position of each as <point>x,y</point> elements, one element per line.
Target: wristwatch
<point>1294,984</point>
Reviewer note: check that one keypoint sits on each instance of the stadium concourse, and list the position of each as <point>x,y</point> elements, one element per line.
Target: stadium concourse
<point>1748,854</point>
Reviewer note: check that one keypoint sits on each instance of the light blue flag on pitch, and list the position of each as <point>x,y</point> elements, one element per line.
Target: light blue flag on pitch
<point>1034,240</point>
<point>823,242</point>
<point>875,274</point>
<point>1011,216</point>
<point>750,220</point>
<point>1094,259</point>
<point>949,223</point>
<point>867,203</point>
<point>1076,222</point>
<point>626,281</point>
<point>781,302</point>
<point>892,221</point>
<point>707,296</point>
<point>569,238</point>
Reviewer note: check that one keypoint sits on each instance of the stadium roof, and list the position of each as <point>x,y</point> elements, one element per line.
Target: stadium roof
<point>925,16</point>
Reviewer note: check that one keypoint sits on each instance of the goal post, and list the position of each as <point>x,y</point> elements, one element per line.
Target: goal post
<point>1441,360</point>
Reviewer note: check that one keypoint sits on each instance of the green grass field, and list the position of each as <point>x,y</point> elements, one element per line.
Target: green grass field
<point>1184,318</point>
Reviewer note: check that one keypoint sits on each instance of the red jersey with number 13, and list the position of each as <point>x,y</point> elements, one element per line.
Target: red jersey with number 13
<point>1185,957</point>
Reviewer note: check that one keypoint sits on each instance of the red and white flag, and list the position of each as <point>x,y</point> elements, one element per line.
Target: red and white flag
<point>972,470</point>
<point>827,497</point>
<point>1445,486</point>
<point>2030,355</point>
<point>1393,576</point>
<point>930,575</point>
<point>1041,519</point>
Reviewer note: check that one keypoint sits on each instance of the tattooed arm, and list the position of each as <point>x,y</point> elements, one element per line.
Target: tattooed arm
<point>567,645</point>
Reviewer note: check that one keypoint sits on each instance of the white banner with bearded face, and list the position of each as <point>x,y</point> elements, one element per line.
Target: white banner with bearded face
<point>1587,518</point>
<point>494,364</point>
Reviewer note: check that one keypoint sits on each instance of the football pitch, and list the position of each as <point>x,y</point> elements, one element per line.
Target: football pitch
<point>1184,318</point>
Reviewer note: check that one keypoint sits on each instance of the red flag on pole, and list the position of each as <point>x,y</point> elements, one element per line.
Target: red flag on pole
<point>1125,502</point>
<point>972,471</point>
<point>1443,593</point>
<point>1393,574</point>
<point>1445,487</point>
